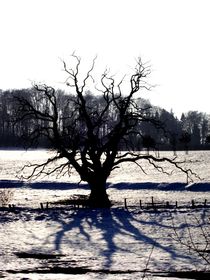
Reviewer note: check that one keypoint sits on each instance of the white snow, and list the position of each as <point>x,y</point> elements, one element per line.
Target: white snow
<point>105,242</point>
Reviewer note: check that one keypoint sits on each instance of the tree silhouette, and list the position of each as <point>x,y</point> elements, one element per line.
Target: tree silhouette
<point>185,139</point>
<point>87,133</point>
<point>148,142</point>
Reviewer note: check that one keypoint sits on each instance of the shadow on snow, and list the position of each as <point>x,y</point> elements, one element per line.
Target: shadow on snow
<point>50,185</point>
<point>111,223</point>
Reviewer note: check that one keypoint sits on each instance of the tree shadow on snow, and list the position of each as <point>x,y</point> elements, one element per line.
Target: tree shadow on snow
<point>109,232</point>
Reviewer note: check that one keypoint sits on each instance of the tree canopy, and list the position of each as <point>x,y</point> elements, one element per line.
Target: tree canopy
<point>91,131</point>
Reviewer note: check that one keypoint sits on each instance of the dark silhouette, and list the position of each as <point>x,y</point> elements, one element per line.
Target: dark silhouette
<point>196,124</point>
<point>185,139</point>
<point>90,131</point>
<point>148,142</point>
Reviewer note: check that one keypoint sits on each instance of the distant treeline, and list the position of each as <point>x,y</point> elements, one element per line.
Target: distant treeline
<point>167,132</point>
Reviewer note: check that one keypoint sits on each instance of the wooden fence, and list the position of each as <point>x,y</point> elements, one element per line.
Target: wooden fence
<point>152,204</point>
<point>155,205</point>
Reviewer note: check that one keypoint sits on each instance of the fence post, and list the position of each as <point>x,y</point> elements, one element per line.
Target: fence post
<point>125,203</point>
<point>140,204</point>
<point>152,201</point>
<point>153,204</point>
<point>205,202</point>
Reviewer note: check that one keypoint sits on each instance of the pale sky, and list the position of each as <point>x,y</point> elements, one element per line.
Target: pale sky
<point>172,35</point>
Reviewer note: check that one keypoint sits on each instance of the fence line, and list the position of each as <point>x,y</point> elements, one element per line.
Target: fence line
<point>143,205</point>
<point>165,204</point>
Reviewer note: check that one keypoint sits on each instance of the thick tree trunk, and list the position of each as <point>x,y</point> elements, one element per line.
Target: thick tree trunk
<point>98,197</point>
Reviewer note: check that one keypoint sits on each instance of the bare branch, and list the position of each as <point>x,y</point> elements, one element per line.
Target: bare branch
<point>89,131</point>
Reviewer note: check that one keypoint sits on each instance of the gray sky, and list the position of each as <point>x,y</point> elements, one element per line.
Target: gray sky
<point>172,35</point>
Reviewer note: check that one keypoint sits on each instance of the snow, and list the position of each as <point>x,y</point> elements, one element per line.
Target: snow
<point>101,244</point>
<point>116,240</point>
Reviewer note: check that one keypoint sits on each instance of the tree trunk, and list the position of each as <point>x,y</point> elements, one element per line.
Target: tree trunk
<point>98,197</point>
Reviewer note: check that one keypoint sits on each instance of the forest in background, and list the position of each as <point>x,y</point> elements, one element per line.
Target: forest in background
<point>190,132</point>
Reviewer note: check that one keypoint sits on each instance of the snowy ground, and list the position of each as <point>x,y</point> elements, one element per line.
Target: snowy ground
<point>120,243</point>
<point>115,244</point>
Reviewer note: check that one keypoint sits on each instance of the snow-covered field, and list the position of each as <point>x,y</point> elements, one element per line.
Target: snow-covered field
<point>120,243</point>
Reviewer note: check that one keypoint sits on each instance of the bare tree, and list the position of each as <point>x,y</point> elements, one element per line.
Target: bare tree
<point>87,133</point>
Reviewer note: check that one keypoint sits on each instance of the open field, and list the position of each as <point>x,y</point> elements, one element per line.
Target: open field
<point>119,243</point>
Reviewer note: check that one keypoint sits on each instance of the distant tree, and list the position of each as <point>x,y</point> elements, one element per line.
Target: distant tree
<point>185,140</point>
<point>6,126</point>
<point>172,129</point>
<point>208,139</point>
<point>148,142</point>
<point>193,123</point>
<point>183,122</point>
<point>196,137</point>
<point>204,128</point>
<point>88,134</point>
<point>173,138</point>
